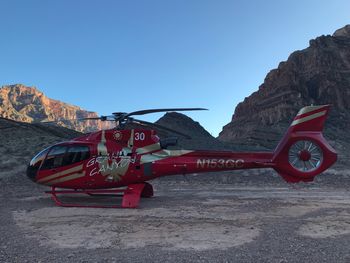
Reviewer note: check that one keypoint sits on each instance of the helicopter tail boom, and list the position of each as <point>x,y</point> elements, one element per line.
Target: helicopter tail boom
<point>303,152</point>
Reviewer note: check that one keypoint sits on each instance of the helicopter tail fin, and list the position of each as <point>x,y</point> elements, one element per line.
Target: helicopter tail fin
<point>303,152</point>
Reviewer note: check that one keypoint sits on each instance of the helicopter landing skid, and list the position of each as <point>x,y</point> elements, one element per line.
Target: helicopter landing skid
<point>131,195</point>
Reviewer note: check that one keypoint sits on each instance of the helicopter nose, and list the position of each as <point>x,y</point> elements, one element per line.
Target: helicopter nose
<point>31,173</point>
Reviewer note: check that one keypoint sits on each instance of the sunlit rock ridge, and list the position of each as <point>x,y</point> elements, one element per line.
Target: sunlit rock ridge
<point>28,104</point>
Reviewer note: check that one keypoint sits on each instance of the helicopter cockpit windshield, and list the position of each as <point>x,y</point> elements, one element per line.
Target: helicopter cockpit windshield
<point>62,155</point>
<point>57,156</point>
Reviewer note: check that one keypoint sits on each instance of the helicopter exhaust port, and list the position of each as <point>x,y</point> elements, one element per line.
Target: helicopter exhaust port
<point>166,142</point>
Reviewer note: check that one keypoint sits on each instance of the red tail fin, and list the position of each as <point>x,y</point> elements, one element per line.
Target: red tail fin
<point>303,152</point>
<point>310,118</point>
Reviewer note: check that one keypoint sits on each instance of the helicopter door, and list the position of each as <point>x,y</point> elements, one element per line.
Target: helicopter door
<point>62,160</point>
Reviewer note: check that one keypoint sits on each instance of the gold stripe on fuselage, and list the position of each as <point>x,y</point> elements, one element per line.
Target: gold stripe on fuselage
<point>162,154</point>
<point>68,171</point>
<point>66,178</point>
<point>148,148</point>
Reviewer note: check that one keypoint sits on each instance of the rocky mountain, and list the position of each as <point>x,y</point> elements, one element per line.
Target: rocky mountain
<point>28,104</point>
<point>200,138</point>
<point>319,74</point>
<point>181,122</point>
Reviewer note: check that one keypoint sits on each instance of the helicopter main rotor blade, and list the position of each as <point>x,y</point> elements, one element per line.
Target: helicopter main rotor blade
<point>146,123</point>
<point>101,118</point>
<point>143,112</point>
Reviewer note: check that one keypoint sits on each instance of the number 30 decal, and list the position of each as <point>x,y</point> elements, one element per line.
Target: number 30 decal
<point>139,136</point>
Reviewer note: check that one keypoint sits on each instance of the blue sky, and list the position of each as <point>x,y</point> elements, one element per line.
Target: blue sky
<point>109,56</point>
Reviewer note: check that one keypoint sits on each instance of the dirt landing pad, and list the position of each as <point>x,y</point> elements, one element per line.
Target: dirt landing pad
<point>206,224</point>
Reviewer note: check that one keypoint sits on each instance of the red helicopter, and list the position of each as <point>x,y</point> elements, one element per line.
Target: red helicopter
<point>102,162</point>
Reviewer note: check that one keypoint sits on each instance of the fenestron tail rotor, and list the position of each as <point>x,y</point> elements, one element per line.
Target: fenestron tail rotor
<point>122,118</point>
<point>305,155</point>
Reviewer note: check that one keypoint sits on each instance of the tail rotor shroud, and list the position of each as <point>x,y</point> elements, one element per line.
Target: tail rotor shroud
<point>305,155</point>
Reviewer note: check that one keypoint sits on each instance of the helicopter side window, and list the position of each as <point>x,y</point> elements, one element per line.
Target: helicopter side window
<point>55,157</point>
<point>76,154</point>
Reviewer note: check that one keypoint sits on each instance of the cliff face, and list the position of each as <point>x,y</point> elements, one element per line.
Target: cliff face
<point>319,74</point>
<point>28,104</point>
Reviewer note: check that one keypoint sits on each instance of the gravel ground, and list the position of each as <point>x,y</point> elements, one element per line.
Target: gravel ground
<point>245,219</point>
